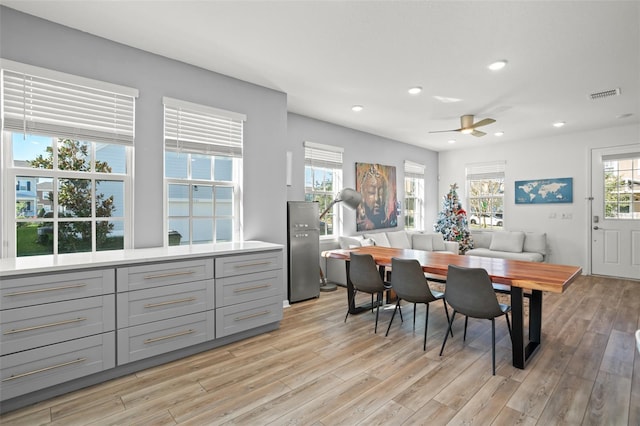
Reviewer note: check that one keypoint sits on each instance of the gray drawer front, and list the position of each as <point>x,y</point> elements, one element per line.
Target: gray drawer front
<point>144,306</point>
<point>37,369</point>
<point>244,316</point>
<point>245,288</point>
<point>228,266</point>
<point>34,326</point>
<point>29,291</point>
<point>143,341</point>
<point>166,273</point>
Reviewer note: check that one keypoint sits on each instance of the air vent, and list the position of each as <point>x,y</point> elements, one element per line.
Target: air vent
<point>605,94</point>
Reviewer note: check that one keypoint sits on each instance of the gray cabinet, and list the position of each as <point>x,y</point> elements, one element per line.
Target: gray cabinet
<point>248,291</point>
<point>55,328</point>
<point>163,307</point>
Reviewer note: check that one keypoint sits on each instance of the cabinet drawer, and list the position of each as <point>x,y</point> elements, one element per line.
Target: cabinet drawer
<point>37,369</point>
<point>229,266</point>
<point>35,290</point>
<point>167,273</point>
<point>34,326</point>
<point>245,288</point>
<point>158,337</point>
<point>154,304</point>
<point>244,316</point>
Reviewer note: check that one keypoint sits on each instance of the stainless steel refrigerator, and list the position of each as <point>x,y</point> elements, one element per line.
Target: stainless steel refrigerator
<point>303,235</point>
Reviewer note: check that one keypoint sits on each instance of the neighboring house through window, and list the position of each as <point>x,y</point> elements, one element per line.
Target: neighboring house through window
<point>413,195</point>
<point>67,145</point>
<point>323,182</point>
<point>485,195</point>
<point>203,169</point>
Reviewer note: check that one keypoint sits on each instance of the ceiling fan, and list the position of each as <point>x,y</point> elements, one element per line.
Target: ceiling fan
<point>468,127</point>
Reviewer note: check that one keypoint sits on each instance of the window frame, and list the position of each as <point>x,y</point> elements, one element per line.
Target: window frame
<point>197,141</point>
<point>328,159</point>
<point>493,173</point>
<point>414,176</point>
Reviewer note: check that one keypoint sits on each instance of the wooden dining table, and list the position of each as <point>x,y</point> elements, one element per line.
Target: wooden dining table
<point>519,277</point>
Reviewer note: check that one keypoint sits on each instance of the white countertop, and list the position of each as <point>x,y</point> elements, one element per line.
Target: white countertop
<point>62,262</point>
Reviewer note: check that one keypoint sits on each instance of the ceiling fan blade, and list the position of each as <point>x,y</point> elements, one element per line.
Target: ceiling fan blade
<point>445,131</point>
<point>478,133</point>
<point>484,122</point>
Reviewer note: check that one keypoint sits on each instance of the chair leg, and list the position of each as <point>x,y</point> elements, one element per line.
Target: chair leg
<point>393,316</point>
<point>466,320</point>
<point>508,325</point>
<point>446,311</point>
<point>400,309</point>
<point>375,329</point>
<point>414,317</point>
<point>426,326</point>
<point>446,335</point>
<point>353,298</point>
<point>493,344</point>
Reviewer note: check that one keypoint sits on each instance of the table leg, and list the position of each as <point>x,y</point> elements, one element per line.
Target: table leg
<point>522,352</point>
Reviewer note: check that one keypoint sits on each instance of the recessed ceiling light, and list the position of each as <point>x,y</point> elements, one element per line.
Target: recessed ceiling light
<point>415,90</point>
<point>446,100</point>
<point>451,141</point>
<point>559,124</point>
<point>626,115</point>
<point>500,133</point>
<point>357,108</point>
<point>498,65</point>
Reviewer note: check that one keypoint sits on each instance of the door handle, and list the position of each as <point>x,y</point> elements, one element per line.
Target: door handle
<point>596,228</point>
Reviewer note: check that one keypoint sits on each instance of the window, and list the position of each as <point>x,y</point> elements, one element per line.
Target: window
<point>323,181</point>
<point>413,195</point>
<point>622,187</point>
<point>485,195</point>
<point>203,169</point>
<point>67,146</point>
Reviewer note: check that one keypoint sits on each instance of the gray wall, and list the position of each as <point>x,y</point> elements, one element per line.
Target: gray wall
<point>568,155</point>
<point>41,43</point>
<point>359,147</point>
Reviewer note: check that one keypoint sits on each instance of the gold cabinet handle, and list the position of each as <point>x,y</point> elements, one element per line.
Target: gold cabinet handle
<point>42,290</point>
<point>41,370</point>
<point>169,274</point>
<point>171,336</point>
<point>248,265</point>
<point>255,287</point>
<point>169,302</point>
<point>258,314</point>
<point>51,324</point>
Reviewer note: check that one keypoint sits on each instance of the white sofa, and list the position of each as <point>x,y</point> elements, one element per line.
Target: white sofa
<point>417,240</point>
<point>514,245</point>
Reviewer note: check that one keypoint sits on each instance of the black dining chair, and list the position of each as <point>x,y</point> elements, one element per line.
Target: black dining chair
<point>469,291</point>
<point>409,284</point>
<point>366,278</point>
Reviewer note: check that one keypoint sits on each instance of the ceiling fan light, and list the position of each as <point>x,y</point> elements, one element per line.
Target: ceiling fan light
<point>466,131</point>
<point>498,65</point>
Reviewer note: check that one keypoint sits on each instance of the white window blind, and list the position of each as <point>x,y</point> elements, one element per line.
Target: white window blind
<point>479,171</point>
<point>200,129</point>
<point>414,170</point>
<point>41,101</point>
<point>320,155</point>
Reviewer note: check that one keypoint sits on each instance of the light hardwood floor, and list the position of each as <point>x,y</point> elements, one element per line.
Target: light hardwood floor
<point>318,370</point>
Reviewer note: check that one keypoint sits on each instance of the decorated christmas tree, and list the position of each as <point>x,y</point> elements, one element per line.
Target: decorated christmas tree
<point>452,221</point>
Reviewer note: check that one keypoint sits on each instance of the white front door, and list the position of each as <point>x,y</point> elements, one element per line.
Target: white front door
<point>615,211</point>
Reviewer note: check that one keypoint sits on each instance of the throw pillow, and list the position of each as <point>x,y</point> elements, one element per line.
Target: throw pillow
<point>366,242</point>
<point>507,241</point>
<point>437,241</point>
<point>380,239</point>
<point>399,239</point>
<point>349,242</point>
<point>536,242</point>
<point>422,242</point>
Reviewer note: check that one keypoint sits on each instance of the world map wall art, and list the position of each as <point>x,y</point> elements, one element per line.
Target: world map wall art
<point>543,191</point>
